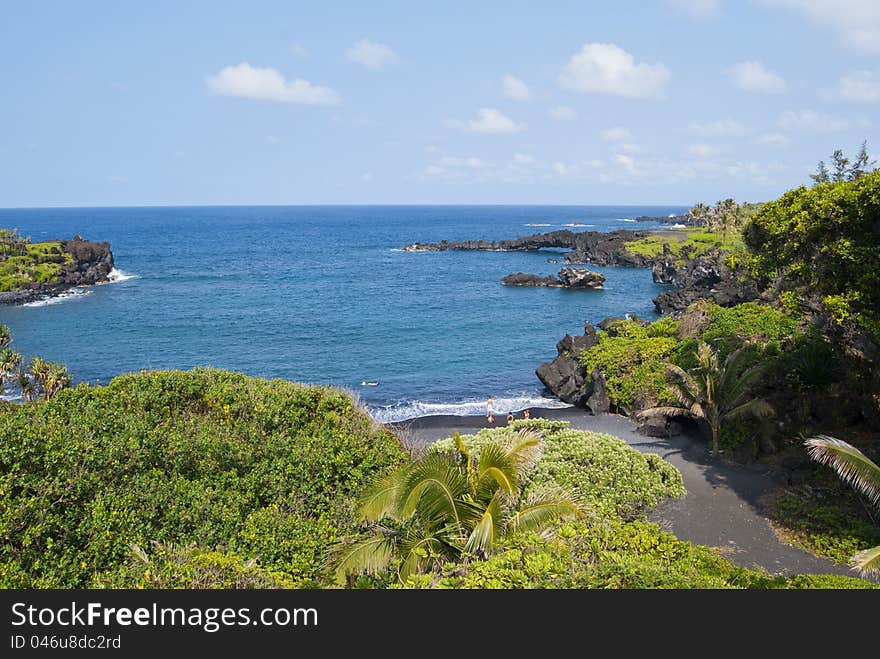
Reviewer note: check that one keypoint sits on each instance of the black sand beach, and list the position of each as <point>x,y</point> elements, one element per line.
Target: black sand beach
<point>720,509</point>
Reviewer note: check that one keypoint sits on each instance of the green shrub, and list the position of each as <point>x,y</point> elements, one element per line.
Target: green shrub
<point>750,321</point>
<point>823,241</point>
<point>206,458</point>
<point>612,478</point>
<point>171,566</point>
<point>836,528</point>
<point>633,362</point>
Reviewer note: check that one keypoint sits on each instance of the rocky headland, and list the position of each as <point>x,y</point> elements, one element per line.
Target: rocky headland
<point>693,271</point>
<point>53,267</point>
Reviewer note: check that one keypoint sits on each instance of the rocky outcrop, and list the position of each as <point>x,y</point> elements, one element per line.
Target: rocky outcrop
<point>568,379</point>
<point>691,278</point>
<point>91,263</point>
<point>567,278</point>
<point>704,277</point>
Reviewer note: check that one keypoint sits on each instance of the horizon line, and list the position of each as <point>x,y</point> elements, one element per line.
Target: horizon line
<point>326,205</point>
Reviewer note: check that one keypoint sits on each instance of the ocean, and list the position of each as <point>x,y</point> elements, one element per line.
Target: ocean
<point>323,295</point>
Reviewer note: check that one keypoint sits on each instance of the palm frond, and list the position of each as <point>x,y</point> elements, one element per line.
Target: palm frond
<point>434,483</point>
<point>484,534</point>
<point>664,410</point>
<point>498,465</point>
<point>371,554</point>
<point>381,499</point>
<point>757,408</point>
<point>525,447</point>
<point>850,463</point>
<point>867,562</point>
<point>543,508</point>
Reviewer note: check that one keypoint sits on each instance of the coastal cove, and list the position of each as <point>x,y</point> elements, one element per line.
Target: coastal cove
<point>323,295</point>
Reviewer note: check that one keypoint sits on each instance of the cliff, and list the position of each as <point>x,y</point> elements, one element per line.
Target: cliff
<point>30,271</point>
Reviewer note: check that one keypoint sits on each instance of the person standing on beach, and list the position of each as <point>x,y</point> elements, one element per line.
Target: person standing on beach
<point>490,410</point>
<point>527,413</point>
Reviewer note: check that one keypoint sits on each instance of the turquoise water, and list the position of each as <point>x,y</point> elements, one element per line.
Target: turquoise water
<point>322,295</point>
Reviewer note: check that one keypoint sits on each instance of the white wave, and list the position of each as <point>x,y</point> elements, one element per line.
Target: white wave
<point>625,219</point>
<point>116,276</point>
<point>678,226</point>
<point>414,409</point>
<point>578,224</point>
<point>72,294</point>
<point>538,224</point>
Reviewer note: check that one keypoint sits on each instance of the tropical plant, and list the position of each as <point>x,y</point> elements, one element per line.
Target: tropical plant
<point>51,377</point>
<point>451,506</point>
<point>9,363</point>
<point>715,392</point>
<point>5,336</point>
<point>855,468</point>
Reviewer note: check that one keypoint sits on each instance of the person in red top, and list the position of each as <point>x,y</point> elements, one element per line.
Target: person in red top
<point>527,414</point>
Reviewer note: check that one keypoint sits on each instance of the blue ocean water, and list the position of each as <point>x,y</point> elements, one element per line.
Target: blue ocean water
<point>322,295</point>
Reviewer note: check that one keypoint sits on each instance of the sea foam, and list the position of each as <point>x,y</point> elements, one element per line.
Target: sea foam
<point>117,276</point>
<point>414,409</point>
<point>66,296</point>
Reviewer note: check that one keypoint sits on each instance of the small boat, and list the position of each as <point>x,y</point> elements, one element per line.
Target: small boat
<point>369,384</point>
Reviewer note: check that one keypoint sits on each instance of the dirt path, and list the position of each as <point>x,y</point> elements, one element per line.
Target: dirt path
<point>720,509</point>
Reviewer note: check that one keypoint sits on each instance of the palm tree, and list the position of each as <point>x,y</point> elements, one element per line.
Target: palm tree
<point>9,363</point>
<point>5,336</point>
<point>701,213</point>
<point>26,384</point>
<point>715,392</point>
<point>854,468</point>
<point>445,506</point>
<point>50,376</point>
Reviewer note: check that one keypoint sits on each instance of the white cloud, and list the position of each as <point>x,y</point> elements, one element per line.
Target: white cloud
<point>700,150</point>
<point>627,162</point>
<point>523,159</point>
<point>856,22</point>
<point>371,54</point>
<point>560,168</point>
<point>515,88</point>
<point>300,51</point>
<point>697,8</point>
<point>562,113</point>
<point>600,68</point>
<point>616,134</point>
<point>267,84</point>
<point>753,76</point>
<point>772,139</point>
<point>858,87</point>
<point>809,121</point>
<point>367,177</point>
<point>720,128</point>
<point>491,121</point>
<point>452,161</point>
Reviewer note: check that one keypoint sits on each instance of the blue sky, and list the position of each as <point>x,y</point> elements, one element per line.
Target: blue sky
<point>651,101</point>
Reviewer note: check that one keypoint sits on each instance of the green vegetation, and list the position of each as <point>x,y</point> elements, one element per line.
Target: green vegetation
<point>715,392</point>
<point>608,553</point>
<point>844,168</point>
<point>608,476</point>
<point>855,468</point>
<point>452,505</point>
<point>822,243</point>
<point>751,321</point>
<point>834,526</point>
<point>681,245</point>
<point>236,466</point>
<point>632,357</point>
<point>23,263</point>
<point>39,378</point>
